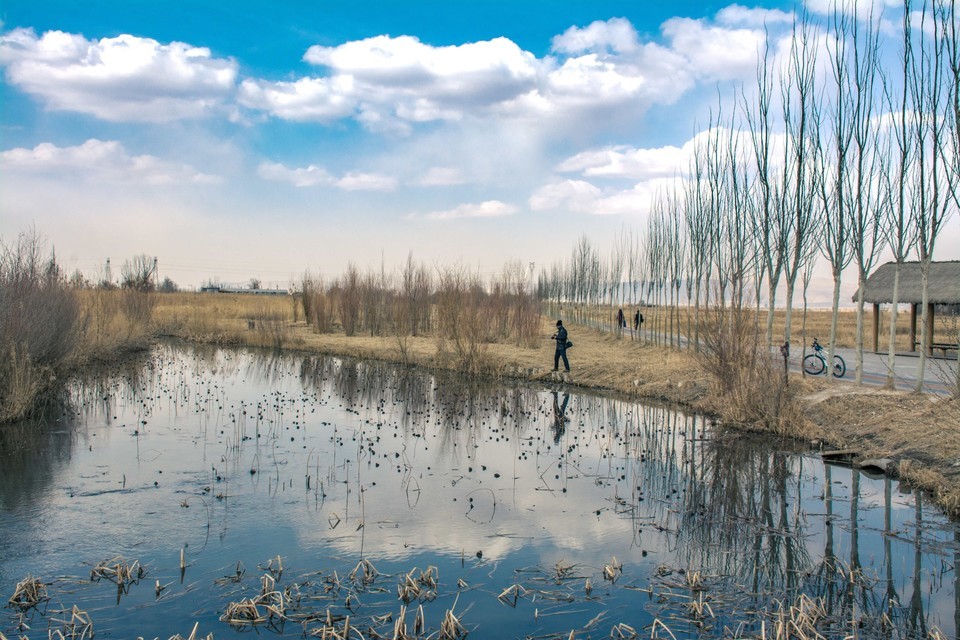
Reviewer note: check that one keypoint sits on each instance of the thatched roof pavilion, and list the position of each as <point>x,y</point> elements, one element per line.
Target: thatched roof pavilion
<point>943,287</point>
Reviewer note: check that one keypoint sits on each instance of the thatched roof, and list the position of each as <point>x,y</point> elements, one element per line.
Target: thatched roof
<point>943,286</point>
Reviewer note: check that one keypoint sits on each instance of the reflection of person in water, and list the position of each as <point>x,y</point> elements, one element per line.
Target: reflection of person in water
<point>559,419</point>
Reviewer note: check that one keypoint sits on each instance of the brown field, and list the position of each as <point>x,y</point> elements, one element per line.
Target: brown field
<point>921,433</point>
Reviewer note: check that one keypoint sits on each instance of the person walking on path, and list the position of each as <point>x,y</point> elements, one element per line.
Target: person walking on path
<point>561,337</point>
<point>621,322</point>
<point>637,321</point>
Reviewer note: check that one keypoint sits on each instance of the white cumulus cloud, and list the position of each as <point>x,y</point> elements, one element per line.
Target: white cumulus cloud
<point>101,161</point>
<point>392,83</point>
<point>310,176</point>
<point>486,209</point>
<point>737,14</point>
<point>715,52</point>
<point>317,99</point>
<point>575,195</point>
<point>615,35</point>
<point>313,176</point>
<point>121,79</point>
<point>366,182</point>
<point>860,8</point>
<point>627,162</point>
<point>580,196</point>
<point>441,177</point>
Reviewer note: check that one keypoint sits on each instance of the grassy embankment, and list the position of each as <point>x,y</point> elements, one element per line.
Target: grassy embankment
<point>921,433</point>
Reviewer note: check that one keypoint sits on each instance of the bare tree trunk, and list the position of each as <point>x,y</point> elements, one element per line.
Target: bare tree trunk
<point>892,342</point>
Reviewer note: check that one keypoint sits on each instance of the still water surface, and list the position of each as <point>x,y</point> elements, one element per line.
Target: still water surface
<point>231,458</point>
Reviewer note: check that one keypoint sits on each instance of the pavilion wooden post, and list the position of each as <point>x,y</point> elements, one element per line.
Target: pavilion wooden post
<point>913,326</point>
<point>876,327</point>
<point>929,336</point>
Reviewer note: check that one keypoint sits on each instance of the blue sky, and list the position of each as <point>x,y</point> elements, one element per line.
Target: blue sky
<point>262,139</point>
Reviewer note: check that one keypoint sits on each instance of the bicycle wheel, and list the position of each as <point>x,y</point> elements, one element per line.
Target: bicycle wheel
<point>813,365</point>
<point>839,366</point>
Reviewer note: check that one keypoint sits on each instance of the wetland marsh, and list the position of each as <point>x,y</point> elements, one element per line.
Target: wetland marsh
<point>304,490</point>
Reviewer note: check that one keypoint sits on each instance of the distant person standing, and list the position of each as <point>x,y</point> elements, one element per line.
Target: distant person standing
<point>637,320</point>
<point>621,321</point>
<point>561,337</point>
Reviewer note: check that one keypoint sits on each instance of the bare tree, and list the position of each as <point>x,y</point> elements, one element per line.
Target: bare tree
<point>698,234</point>
<point>771,225</point>
<point>615,274</point>
<point>899,224</point>
<point>863,194</point>
<point>347,289</point>
<point>137,278</point>
<point>930,100</point>
<point>798,94</point>
<point>738,213</point>
<point>138,273</point>
<point>677,257</point>
<point>656,266</point>
<point>716,195</point>
<point>951,36</point>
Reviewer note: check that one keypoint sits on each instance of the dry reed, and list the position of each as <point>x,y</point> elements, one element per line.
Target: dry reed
<point>612,570</point>
<point>267,607</point>
<point>422,588</point>
<point>28,593</point>
<point>77,627</point>
<point>193,635</point>
<point>118,571</point>
<point>366,572</point>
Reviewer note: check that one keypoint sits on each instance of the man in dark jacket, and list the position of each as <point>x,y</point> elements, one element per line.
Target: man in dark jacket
<point>561,337</point>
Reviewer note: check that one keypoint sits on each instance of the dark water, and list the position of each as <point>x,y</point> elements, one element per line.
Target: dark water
<point>237,457</point>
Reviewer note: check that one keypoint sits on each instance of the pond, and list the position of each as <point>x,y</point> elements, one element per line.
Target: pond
<point>290,495</point>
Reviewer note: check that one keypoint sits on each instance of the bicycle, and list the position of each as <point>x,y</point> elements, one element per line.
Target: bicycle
<point>816,363</point>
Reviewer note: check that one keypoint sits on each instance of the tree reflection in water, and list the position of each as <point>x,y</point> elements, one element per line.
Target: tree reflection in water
<point>371,459</point>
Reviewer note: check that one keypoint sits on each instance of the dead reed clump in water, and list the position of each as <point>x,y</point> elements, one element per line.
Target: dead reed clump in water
<point>612,570</point>
<point>798,620</point>
<point>193,635</point>
<point>450,628</point>
<point>77,627</point>
<point>269,606</point>
<point>562,571</point>
<point>118,571</point>
<point>29,593</point>
<point>422,588</point>
<point>366,572</point>
<point>274,567</point>
<point>511,595</point>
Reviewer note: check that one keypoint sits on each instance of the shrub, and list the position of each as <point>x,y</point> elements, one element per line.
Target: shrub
<point>271,326</point>
<point>747,376</point>
<point>461,323</point>
<point>39,323</point>
<point>139,299</point>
